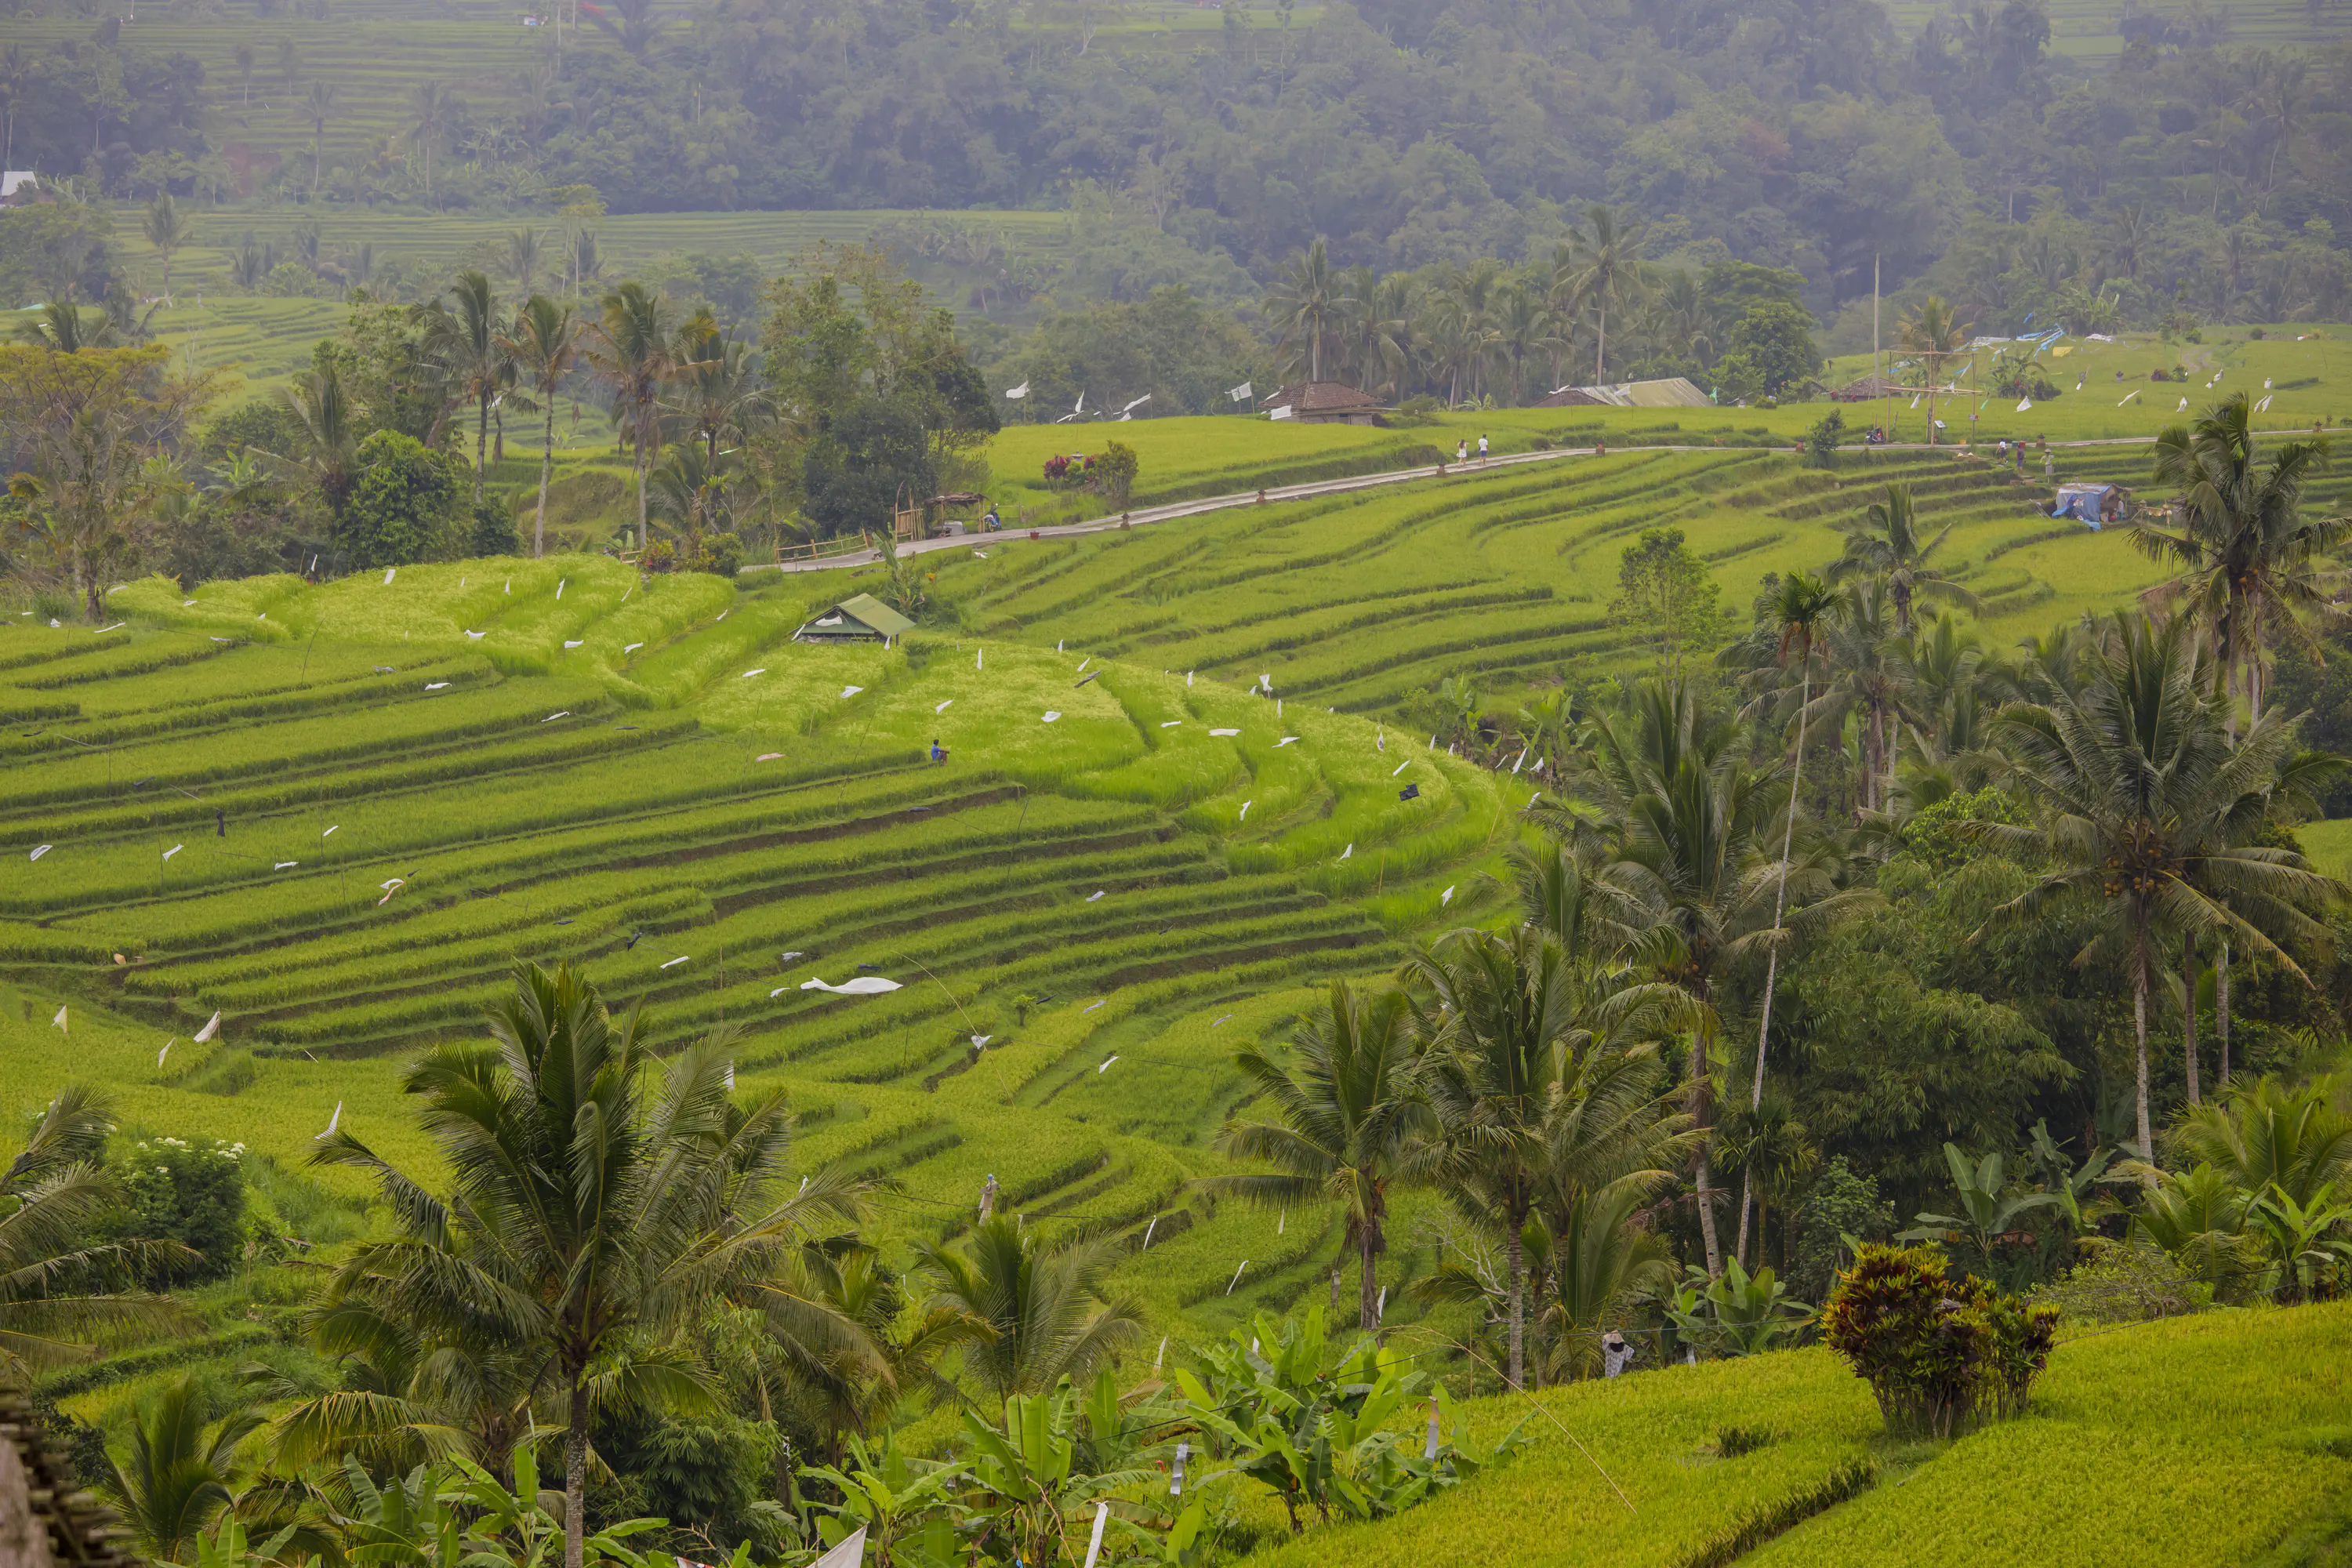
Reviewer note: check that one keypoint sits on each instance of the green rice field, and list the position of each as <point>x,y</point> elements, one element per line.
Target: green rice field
<point>334,817</point>
<point>2209,1440</point>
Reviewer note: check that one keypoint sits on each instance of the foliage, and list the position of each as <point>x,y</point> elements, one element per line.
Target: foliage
<point>1308,1421</point>
<point>405,505</point>
<point>1841,1204</point>
<point>1736,1313</point>
<point>1771,353</point>
<point>1666,598</point>
<point>1038,1305</point>
<point>192,1193</point>
<point>176,1475</point>
<point>1943,1355</point>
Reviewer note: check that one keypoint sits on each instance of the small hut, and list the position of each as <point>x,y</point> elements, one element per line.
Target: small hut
<point>864,618</point>
<point>1324,403</point>
<point>1668,392</point>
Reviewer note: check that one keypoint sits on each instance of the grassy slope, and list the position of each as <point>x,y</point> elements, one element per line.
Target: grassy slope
<point>730,818</point>
<point>2197,1441</point>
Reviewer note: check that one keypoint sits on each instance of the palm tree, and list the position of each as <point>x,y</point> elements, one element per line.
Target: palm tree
<point>2270,1134</point>
<point>1685,810</point>
<point>1305,302</point>
<point>1866,675</point>
<point>1773,1152</point>
<point>2142,797</point>
<point>1933,334</point>
<point>470,345</point>
<point>543,342</point>
<point>1342,1125</point>
<point>523,252</point>
<point>1885,543</point>
<point>330,425</point>
<point>850,1351</point>
<point>716,385</point>
<point>167,230</point>
<point>432,110</point>
<point>175,1480</point>
<point>60,1292</point>
<point>1802,608</point>
<point>316,109</point>
<point>2252,564</point>
<point>1600,1255</point>
<point>1039,1308</point>
<point>61,325</point>
<point>630,349</point>
<point>1607,270</point>
<point>599,1202</point>
<point>242,55</point>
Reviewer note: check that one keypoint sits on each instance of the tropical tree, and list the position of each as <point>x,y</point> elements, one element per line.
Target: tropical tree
<point>1606,270</point>
<point>1884,543</point>
<point>1343,1124</point>
<point>2252,565</point>
<point>2143,800</point>
<point>1989,1209</point>
<point>630,348</point>
<point>1802,607</point>
<point>1866,676</point>
<point>471,346</point>
<point>62,1293</point>
<point>167,230</point>
<point>1039,1307</point>
<point>715,387</point>
<point>1932,334</point>
<point>599,1202</point>
<point>329,423</point>
<point>1683,810</point>
<point>318,108</point>
<point>1305,303</point>
<point>433,110</point>
<point>543,342</point>
<point>2271,1135</point>
<point>175,1480</point>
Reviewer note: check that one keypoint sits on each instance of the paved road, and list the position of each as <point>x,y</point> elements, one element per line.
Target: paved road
<point>1144,516</point>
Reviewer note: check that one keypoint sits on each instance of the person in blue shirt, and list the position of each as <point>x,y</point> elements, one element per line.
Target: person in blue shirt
<point>938,752</point>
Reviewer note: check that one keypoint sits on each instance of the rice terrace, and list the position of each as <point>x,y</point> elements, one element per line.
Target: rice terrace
<point>922,783</point>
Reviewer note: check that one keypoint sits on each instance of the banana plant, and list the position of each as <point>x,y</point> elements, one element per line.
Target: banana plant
<point>906,1507</point>
<point>1988,1212</point>
<point>1737,1314</point>
<point>1031,1495</point>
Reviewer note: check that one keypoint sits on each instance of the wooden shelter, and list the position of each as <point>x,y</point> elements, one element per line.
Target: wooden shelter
<point>864,618</point>
<point>918,520</point>
<point>1324,403</point>
<point>47,1519</point>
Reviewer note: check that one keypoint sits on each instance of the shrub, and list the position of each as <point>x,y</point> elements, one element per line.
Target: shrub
<point>1843,1204</point>
<point>192,1194</point>
<point>1115,472</point>
<point>492,531</point>
<point>405,501</point>
<point>1941,1354</point>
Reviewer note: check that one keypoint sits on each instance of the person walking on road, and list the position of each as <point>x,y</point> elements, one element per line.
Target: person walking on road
<point>1482,448</point>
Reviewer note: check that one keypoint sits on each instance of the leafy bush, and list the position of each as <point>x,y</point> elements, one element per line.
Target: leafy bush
<point>192,1194</point>
<point>1943,1355</point>
<point>1115,473</point>
<point>404,503</point>
<point>1843,1204</point>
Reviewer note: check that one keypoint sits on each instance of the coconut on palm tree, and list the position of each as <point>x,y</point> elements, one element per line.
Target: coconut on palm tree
<point>1341,1124</point>
<point>2142,796</point>
<point>596,1250</point>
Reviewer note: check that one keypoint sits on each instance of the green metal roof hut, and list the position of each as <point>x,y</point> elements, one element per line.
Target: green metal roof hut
<point>864,618</point>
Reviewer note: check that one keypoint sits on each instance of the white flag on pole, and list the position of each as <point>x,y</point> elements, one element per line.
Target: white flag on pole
<point>1017,392</point>
<point>1242,393</point>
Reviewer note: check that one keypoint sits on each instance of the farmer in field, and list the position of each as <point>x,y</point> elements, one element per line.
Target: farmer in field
<point>938,752</point>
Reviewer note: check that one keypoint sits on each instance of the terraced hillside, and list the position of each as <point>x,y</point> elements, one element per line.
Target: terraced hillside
<point>1359,600</point>
<point>335,817</point>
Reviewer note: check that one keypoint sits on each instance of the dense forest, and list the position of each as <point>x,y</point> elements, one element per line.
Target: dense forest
<point>1812,135</point>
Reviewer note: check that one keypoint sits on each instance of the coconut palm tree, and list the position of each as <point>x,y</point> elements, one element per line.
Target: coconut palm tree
<point>2269,1134</point>
<point>2252,565</point>
<point>2143,799</point>
<point>1606,270</point>
<point>1885,543</point>
<point>469,346</point>
<point>1801,610</point>
<point>1864,675</point>
<point>1932,334</point>
<point>630,348</point>
<point>167,230</point>
<point>330,427</point>
<point>317,108</point>
<point>1039,1308</point>
<point>433,108</point>
<point>175,1478</point>
<point>1342,1124</point>
<point>543,342</point>
<point>1305,302</point>
<point>62,1294</point>
<point>715,388</point>
<point>599,1202</point>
